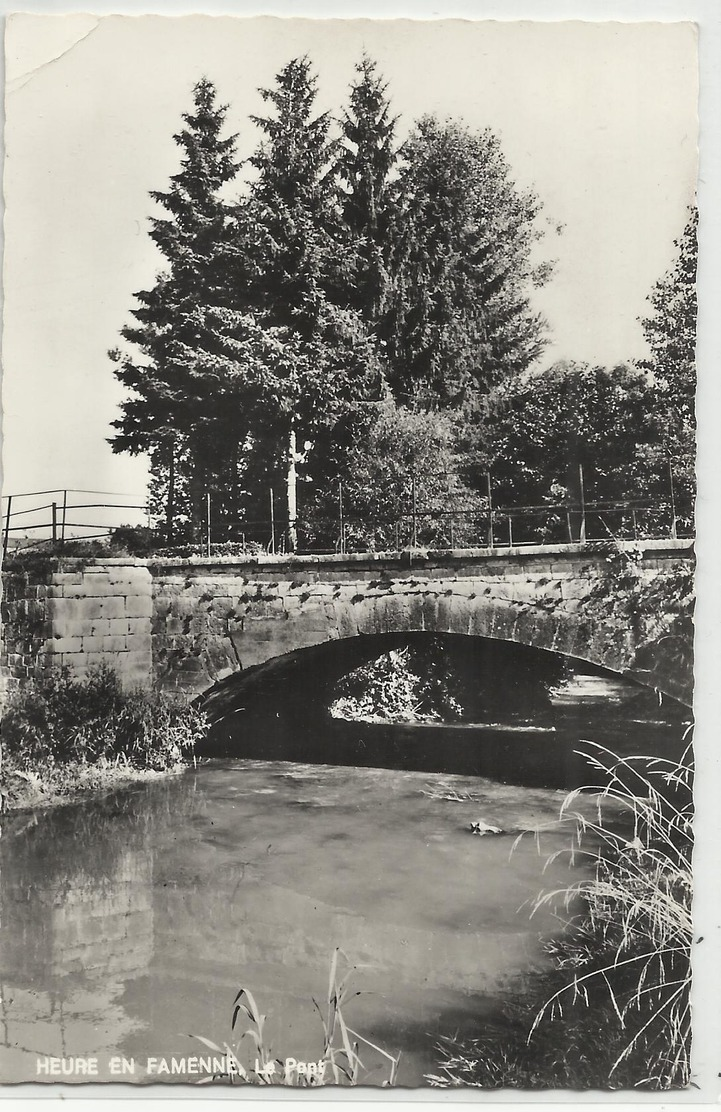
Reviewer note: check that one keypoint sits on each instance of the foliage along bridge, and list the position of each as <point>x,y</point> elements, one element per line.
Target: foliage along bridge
<point>190,624</point>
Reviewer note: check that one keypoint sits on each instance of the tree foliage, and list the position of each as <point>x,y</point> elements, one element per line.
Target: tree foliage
<point>185,331</point>
<point>670,331</point>
<point>392,451</point>
<point>350,283</point>
<point>545,424</point>
<point>459,319</point>
<point>366,161</point>
<point>324,359</point>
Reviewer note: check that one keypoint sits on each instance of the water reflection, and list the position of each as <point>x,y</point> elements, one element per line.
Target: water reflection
<point>129,922</point>
<point>76,893</point>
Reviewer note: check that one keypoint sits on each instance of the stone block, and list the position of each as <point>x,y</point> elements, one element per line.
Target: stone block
<point>93,644</point>
<point>95,657</point>
<point>140,642</point>
<point>137,606</point>
<point>137,625</point>
<point>133,576</point>
<point>392,614</point>
<point>101,627</point>
<point>430,611</point>
<point>460,615</point>
<point>113,607</point>
<point>65,645</point>
<point>67,578</point>
<point>365,616</point>
<point>116,627</point>
<point>95,587</point>
<point>114,644</point>
<point>504,622</point>
<point>345,620</point>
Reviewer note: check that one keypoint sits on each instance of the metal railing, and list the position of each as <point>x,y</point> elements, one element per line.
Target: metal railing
<point>52,517</point>
<point>484,525</point>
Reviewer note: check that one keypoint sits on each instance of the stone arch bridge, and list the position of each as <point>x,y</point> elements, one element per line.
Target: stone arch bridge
<point>189,624</point>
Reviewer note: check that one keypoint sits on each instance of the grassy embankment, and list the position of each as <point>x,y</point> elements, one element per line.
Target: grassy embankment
<point>65,736</point>
<point>614,1012</point>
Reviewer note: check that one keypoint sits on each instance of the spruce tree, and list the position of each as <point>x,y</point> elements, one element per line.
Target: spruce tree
<point>186,331</point>
<point>365,162</point>
<point>459,318</point>
<point>324,358</point>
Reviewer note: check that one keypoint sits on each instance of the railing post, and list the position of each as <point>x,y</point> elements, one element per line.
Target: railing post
<point>510,531</point>
<point>414,539</point>
<point>397,531</point>
<point>635,525</point>
<point>490,510</point>
<point>342,522</point>
<point>7,525</point>
<point>55,521</point>
<point>62,527</point>
<point>207,517</point>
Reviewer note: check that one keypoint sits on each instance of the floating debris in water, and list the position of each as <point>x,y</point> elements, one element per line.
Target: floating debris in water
<point>481,828</point>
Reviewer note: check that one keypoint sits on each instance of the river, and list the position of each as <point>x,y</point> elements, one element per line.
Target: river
<point>129,923</point>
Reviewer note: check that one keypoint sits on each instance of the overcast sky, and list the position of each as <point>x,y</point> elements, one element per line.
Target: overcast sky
<point>600,119</point>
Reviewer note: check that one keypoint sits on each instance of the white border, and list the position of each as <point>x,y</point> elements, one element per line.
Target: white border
<point>707,905</point>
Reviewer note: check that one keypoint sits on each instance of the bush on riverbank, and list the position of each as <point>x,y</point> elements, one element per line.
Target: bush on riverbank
<point>616,1011</point>
<point>402,685</point>
<point>63,733</point>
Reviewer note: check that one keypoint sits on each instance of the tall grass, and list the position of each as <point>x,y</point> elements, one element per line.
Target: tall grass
<point>615,1009</point>
<point>632,944</point>
<point>338,1059</point>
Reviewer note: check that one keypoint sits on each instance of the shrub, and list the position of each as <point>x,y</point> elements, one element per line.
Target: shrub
<point>59,717</point>
<point>391,689</point>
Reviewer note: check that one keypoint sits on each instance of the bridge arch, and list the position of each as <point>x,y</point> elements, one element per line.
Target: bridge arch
<point>466,608</point>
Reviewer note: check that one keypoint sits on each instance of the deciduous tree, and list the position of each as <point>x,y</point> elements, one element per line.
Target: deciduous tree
<point>670,331</point>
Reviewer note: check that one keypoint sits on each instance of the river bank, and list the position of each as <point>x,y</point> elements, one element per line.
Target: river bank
<point>67,738</point>
<point>73,782</point>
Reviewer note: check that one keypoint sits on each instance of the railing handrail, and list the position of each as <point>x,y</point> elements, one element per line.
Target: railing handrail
<point>333,534</point>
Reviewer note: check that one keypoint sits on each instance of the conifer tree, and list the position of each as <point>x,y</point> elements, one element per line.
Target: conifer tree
<point>368,154</point>
<point>325,359</point>
<point>185,330</point>
<point>365,162</point>
<point>459,319</point>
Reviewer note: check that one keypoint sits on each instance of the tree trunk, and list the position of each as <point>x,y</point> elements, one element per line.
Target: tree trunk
<point>170,504</point>
<point>291,484</point>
